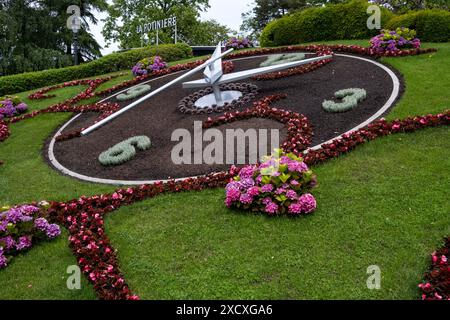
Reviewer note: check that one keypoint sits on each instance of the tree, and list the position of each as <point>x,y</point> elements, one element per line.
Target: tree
<point>126,15</point>
<point>34,36</point>
<point>401,6</point>
<point>209,33</point>
<point>265,11</point>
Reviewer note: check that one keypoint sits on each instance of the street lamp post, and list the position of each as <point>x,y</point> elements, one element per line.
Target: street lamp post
<point>74,24</point>
<point>75,47</point>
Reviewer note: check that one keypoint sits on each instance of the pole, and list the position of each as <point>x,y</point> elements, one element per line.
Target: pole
<point>176,34</point>
<point>157,37</point>
<point>75,47</point>
<point>151,94</point>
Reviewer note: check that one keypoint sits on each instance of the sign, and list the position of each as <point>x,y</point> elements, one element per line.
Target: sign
<point>157,25</point>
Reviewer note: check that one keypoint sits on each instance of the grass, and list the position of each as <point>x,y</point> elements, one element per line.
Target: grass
<point>42,274</point>
<point>373,210</point>
<point>383,204</point>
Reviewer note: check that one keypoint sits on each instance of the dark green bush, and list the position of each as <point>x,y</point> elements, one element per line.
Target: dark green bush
<point>332,22</point>
<point>110,63</point>
<point>430,25</point>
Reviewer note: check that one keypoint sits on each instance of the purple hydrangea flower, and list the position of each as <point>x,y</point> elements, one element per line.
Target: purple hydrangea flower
<point>9,242</point>
<point>308,203</point>
<point>253,191</point>
<point>267,188</point>
<point>24,243</point>
<point>3,225</point>
<point>41,224</point>
<point>233,185</point>
<point>28,209</point>
<point>13,215</point>
<point>295,208</point>
<point>21,107</point>
<point>292,195</point>
<point>246,199</point>
<point>3,260</point>
<point>247,172</point>
<point>247,183</point>
<point>271,208</point>
<point>233,194</point>
<point>53,231</point>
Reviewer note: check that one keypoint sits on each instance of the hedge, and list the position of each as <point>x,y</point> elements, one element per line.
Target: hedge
<point>431,25</point>
<point>332,22</point>
<point>110,63</point>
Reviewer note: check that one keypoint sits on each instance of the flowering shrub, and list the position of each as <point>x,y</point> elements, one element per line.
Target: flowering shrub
<point>437,280</point>
<point>149,65</point>
<point>276,186</point>
<point>238,43</point>
<point>22,226</point>
<point>402,38</point>
<point>11,106</point>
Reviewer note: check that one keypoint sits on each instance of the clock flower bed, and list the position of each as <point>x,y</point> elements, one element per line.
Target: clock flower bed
<point>21,227</point>
<point>402,38</point>
<point>11,106</point>
<point>278,185</point>
<point>149,65</point>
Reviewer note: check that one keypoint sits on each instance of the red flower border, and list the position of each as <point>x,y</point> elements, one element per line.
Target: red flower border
<point>437,280</point>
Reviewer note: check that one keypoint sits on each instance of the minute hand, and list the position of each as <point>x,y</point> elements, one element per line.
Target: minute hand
<point>227,78</point>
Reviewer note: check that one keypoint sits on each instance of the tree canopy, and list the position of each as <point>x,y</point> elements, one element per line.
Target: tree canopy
<point>126,15</point>
<point>34,35</point>
<point>264,11</point>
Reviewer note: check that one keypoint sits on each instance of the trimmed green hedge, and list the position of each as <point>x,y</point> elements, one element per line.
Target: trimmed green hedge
<point>333,22</point>
<point>110,63</point>
<point>430,25</point>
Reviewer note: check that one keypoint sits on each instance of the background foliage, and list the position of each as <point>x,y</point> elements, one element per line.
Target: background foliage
<point>431,25</point>
<point>333,22</point>
<point>110,63</point>
<point>34,36</point>
<point>126,15</point>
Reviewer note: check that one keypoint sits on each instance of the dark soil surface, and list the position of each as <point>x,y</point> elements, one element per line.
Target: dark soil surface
<point>158,118</point>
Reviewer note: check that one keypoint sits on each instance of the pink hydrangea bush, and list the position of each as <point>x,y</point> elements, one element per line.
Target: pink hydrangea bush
<point>279,185</point>
<point>148,66</point>
<point>11,106</point>
<point>21,227</point>
<point>393,41</point>
<point>238,43</point>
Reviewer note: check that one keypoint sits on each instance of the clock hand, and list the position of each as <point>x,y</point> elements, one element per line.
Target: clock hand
<point>217,56</point>
<point>231,77</point>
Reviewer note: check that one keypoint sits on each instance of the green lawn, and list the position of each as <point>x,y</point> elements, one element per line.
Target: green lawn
<point>377,206</point>
<point>383,204</point>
